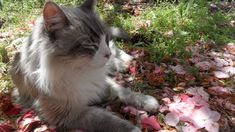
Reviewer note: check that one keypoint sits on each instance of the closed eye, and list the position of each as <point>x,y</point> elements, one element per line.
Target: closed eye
<point>94,47</point>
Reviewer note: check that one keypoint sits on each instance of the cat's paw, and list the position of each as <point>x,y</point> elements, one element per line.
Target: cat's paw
<point>136,129</point>
<point>125,58</point>
<point>150,104</point>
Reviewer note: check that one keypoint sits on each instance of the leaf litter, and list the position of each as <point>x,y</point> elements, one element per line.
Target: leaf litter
<point>185,106</point>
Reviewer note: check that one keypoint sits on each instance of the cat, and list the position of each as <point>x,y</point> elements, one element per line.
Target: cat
<point>63,70</point>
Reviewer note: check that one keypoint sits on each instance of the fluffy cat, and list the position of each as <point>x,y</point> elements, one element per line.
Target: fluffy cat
<point>62,71</point>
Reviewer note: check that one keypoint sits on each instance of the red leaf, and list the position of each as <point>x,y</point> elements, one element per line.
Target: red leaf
<point>6,128</point>
<point>28,114</point>
<point>151,123</point>
<point>14,111</point>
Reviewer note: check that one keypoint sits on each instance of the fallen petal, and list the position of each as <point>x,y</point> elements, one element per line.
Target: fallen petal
<point>188,128</point>
<point>212,127</point>
<point>220,91</point>
<point>184,97</point>
<point>131,110</point>
<point>133,70</point>
<point>221,75</point>
<point>220,62</point>
<point>228,70</point>
<point>178,69</point>
<point>172,119</point>
<point>214,116</point>
<point>204,65</point>
<point>151,123</point>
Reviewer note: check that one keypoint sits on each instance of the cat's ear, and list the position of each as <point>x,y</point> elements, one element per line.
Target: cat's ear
<point>54,17</point>
<point>89,5</point>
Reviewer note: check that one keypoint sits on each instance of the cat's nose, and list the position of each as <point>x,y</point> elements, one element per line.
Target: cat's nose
<point>107,55</point>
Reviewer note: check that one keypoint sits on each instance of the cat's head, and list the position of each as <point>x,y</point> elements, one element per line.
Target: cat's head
<point>77,35</point>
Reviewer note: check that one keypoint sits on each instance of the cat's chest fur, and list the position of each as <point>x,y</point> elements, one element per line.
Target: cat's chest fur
<point>81,87</point>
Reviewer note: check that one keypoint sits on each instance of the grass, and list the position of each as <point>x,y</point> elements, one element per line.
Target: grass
<point>188,23</point>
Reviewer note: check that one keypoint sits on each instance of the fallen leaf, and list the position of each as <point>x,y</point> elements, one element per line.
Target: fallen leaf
<point>228,70</point>
<point>14,110</point>
<point>221,75</point>
<point>151,123</point>
<point>219,62</point>
<point>225,104</point>
<point>220,91</point>
<point>6,128</point>
<point>204,65</point>
<point>155,79</point>
<point>230,47</point>
<point>178,69</point>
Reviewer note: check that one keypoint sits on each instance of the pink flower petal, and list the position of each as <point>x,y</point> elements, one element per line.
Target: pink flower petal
<point>131,110</point>
<point>189,128</point>
<point>201,116</point>
<point>166,100</point>
<point>176,99</point>
<point>212,127</point>
<point>172,119</point>
<point>221,75</point>
<point>203,93</point>
<point>182,108</point>
<point>204,65</point>
<point>151,123</point>
<point>178,69</point>
<point>198,91</point>
<point>184,97</point>
<point>163,108</point>
<point>157,70</point>
<point>133,70</point>
<point>230,47</point>
<point>230,56</point>
<point>198,101</point>
<point>214,116</point>
<point>228,70</point>
<point>220,62</point>
<point>195,59</point>
<point>221,91</point>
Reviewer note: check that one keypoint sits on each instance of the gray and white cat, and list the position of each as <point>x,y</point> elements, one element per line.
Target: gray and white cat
<point>62,71</point>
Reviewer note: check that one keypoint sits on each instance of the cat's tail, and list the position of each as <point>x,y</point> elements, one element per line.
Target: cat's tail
<point>118,33</point>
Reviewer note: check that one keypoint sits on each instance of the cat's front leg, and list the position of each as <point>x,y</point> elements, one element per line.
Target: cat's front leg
<point>139,100</point>
<point>93,119</point>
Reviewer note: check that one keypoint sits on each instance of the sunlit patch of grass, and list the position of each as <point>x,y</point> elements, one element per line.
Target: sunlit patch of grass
<point>164,29</point>
<point>187,21</point>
